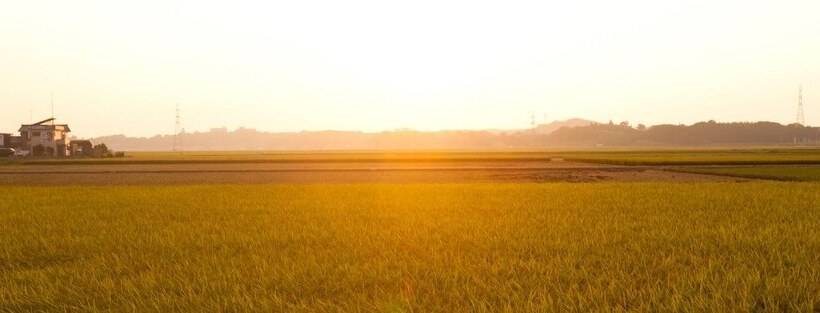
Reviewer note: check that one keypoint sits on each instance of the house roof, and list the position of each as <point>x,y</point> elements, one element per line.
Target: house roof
<point>80,142</point>
<point>39,125</point>
<point>44,121</point>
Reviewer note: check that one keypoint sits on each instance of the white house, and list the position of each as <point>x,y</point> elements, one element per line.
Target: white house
<point>45,138</point>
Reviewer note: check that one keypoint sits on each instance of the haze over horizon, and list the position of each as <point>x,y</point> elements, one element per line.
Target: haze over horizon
<point>120,68</point>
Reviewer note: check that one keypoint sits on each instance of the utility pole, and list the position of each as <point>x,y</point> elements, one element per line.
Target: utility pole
<point>52,108</point>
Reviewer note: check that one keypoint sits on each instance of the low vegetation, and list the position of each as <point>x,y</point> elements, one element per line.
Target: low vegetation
<point>643,247</point>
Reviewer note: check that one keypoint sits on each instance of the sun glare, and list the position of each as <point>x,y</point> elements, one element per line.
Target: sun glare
<point>477,64</point>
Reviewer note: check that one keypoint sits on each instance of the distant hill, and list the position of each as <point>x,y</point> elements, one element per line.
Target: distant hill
<point>556,125</point>
<point>571,133</point>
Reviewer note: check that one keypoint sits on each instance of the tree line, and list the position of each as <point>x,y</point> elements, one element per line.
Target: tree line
<point>595,134</point>
<point>702,133</point>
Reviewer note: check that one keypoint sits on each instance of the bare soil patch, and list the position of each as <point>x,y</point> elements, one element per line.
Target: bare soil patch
<point>254,173</point>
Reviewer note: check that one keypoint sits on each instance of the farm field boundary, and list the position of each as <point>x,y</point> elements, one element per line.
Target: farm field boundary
<point>780,173</point>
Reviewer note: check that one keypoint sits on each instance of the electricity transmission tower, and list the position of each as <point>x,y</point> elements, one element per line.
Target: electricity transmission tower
<point>177,145</point>
<point>801,117</point>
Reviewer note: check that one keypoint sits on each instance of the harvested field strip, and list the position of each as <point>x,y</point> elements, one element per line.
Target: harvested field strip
<point>659,161</point>
<point>298,170</point>
<point>615,157</point>
<point>337,177</point>
<point>286,161</point>
<point>697,157</point>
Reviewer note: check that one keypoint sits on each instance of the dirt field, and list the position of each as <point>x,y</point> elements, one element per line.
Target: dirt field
<point>333,172</point>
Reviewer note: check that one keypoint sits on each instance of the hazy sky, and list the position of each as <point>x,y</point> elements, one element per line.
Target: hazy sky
<point>120,67</point>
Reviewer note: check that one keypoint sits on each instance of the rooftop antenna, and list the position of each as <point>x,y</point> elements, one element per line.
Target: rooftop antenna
<point>801,117</point>
<point>52,108</point>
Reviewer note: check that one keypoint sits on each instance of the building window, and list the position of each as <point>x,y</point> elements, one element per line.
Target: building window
<point>35,134</point>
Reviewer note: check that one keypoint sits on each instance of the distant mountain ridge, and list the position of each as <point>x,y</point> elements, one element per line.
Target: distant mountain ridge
<point>556,125</point>
<point>569,133</point>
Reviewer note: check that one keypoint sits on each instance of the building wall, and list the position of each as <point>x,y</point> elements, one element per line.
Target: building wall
<point>15,142</point>
<point>47,136</point>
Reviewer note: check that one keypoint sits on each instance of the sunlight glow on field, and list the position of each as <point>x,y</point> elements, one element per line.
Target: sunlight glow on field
<point>412,248</point>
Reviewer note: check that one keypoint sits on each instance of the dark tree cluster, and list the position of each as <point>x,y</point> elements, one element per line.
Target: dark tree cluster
<point>703,133</point>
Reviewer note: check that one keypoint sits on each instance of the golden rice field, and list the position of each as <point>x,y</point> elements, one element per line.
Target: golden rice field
<point>557,247</point>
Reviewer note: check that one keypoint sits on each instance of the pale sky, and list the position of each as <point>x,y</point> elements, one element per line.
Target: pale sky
<point>119,67</point>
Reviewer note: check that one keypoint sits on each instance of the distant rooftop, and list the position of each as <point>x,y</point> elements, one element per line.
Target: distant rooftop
<point>41,123</point>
